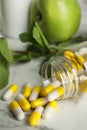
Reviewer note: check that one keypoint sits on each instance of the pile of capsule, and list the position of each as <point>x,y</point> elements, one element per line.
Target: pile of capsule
<point>33,98</point>
<point>43,100</point>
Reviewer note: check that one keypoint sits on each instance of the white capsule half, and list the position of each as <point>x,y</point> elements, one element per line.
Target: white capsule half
<point>52,96</point>
<point>83,51</point>
<point>35,93</point>
<point>55,94</point>
<point>49,109</point>
<point>35,116</point>
<point>10,92</point>
<point>17,111</point>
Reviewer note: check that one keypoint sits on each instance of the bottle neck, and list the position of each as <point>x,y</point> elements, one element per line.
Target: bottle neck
<point>60,69</point>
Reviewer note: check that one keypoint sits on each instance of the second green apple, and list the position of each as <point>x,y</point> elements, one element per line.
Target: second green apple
<point>58,19</point>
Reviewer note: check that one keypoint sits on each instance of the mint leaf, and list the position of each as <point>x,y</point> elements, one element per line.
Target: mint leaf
<point>22,58</point>
<point>5,51</point>
<point>4,72</point>
<point>37,36</point>
<point>41,36</point>
<point>27,36</point>
<point>24,37</point>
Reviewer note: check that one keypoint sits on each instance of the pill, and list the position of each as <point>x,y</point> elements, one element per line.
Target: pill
<point>58,75</point>
<point>49,109</point>
<point>83,86</point>
<point>23,102</point>
<point>55,94</point>
<point>79,58</point>
<point>50,87</point>
<point>35,93</point>
<point>17,111</point>
<point>83,51</point>
<point>27,90</point>
<point>76,63</point>
<point>69,54</point>
<point>82,78</point>
<point>35,116</point>
<point>10,92</point>
<point>46,82</point>
<point>39,102</point>
<point>73,65</point>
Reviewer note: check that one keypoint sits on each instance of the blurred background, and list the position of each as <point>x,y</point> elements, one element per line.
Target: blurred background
<point>83,26</point>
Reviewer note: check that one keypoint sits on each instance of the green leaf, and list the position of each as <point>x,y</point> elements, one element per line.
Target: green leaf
<point>35,49</point>
<point>37,36</point>
<point>45,42</point>
<point>22,58</point>
<point>4,72</point>
<point>27,36</point>
<point>5,51</point>
<point>24,37</point>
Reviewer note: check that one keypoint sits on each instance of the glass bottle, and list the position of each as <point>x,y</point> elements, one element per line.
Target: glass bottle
<point>69,67</point>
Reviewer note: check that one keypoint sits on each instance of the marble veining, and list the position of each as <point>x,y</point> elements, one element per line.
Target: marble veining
<point>8,120</point>
<point>44,128</point>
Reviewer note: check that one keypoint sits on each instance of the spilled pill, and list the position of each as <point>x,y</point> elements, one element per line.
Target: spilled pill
<point>49,88</point>
<point>55,94</point>
<point>27,90</point>
<point>39,102</point>
<point>23,102</point>
<point>35,116</point>
<point>10,92</point>
<point>17,111</point>
<point>35,93</point>
<point>49,109</point>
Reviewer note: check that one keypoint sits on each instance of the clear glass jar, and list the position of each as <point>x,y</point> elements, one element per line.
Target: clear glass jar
<point>71,73</point>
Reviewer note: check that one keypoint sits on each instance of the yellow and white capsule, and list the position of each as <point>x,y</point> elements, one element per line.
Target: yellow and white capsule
<point>35,93</point>
<point>69,54</point>
<point>23,102</point>
<point>48,111</point>
<point>10,92</point>
<point>17,111</point>
<point>81,60</point>
<point>27,90</point>
<point>83,51</point>
<point>55,94</point>
<point>39,102</point>
<point>35,116</point>
<point>49,88</point>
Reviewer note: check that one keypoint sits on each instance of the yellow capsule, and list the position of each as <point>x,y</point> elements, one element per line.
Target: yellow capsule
<point>49,109</point>
<point>68,57</point>
<point>35,93</point>
<point>69,54</point>
<point>74,66</point>
<point>79,58</point>
<point>27,90</point>
<point>83,86</point>
<point>10,92</point>
<point>35,116</point>
<point>55,94</point>
<point>58,75</point>
<point>39,102</point>
<point>17,111</point>
<point>77,64</point>
<point>25,105</point>
<point>49,88</point>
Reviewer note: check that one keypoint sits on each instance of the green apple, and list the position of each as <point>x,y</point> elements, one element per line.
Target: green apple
<point>58,19</point>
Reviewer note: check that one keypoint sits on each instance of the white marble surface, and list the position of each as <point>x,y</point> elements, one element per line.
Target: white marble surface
<point>70,115</point>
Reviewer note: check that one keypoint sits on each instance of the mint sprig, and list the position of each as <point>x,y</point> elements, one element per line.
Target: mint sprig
<point>38,46</point>
<point>5,51</point>
<point>6,58</point>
